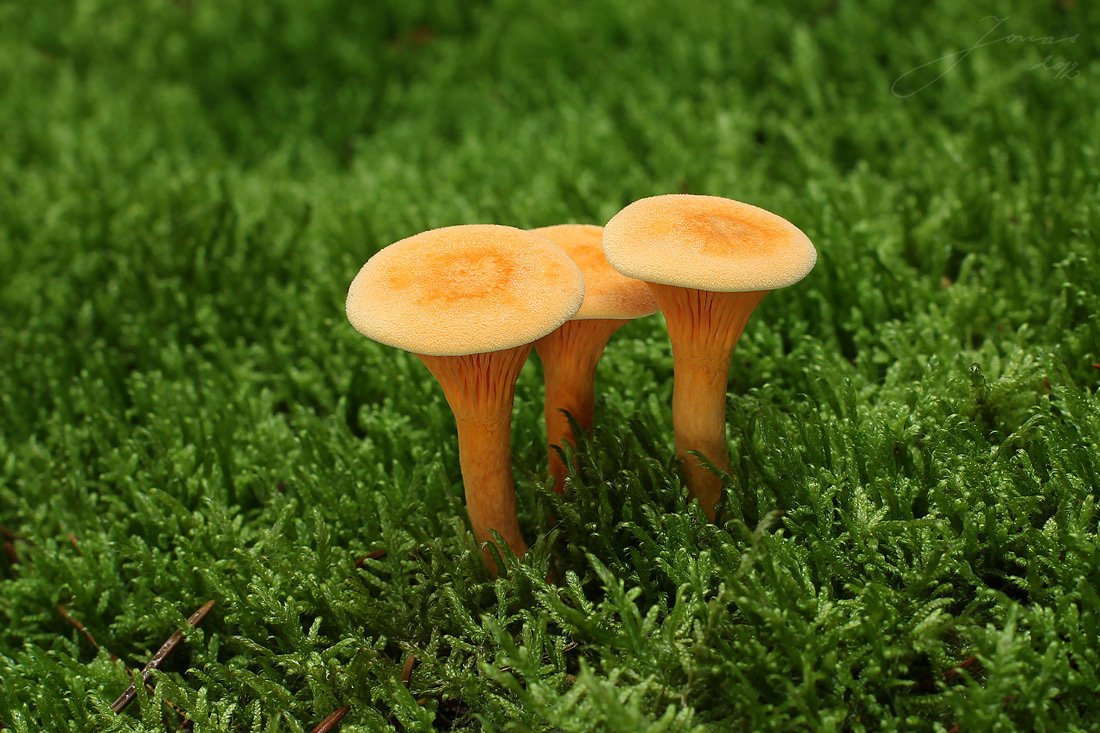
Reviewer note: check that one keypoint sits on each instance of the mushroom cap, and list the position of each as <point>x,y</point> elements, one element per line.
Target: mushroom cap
<point>465,289</point>
<point>607,293</point>
<point>707,243</point>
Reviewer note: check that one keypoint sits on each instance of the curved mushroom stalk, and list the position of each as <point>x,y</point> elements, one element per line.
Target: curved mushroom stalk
<point>569,357</point>
<point>570,353</point>
<point>703,327</point>
<point>480,388</point>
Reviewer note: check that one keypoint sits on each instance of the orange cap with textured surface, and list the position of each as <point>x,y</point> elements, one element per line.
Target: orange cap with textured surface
<point>707,243</point>
<point>607,293</point>
<point>466,289</point>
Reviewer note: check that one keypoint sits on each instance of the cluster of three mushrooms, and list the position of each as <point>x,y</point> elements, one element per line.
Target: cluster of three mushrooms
<point>471,300</point>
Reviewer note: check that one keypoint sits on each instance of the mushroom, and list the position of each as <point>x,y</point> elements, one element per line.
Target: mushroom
<point>469,301</point>
<point>569,355</point>
<point>710,261</point>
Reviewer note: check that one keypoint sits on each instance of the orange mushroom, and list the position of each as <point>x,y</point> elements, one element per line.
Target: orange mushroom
<point>469,301</point>
<point>570,354</point>
<point>710,261</point>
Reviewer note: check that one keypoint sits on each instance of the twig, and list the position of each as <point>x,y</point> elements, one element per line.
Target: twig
<point>332,721</point>
<point>72,539</point>
<point>80,627</point>
<point>407,670</point>
<point>173,641</point>
<point>966,664</point>
<point>185,723</point>
<point>10,538</point>
<point>374,555</point>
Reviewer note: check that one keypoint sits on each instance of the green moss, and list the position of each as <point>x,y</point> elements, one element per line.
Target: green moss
<point>187,188</point>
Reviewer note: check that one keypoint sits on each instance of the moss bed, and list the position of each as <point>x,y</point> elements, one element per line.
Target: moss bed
<point>187,189</point>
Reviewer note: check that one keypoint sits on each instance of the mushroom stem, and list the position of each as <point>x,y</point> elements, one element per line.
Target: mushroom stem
<point>480,389</point>
<point>703,327</point>
<point>569,357</point>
